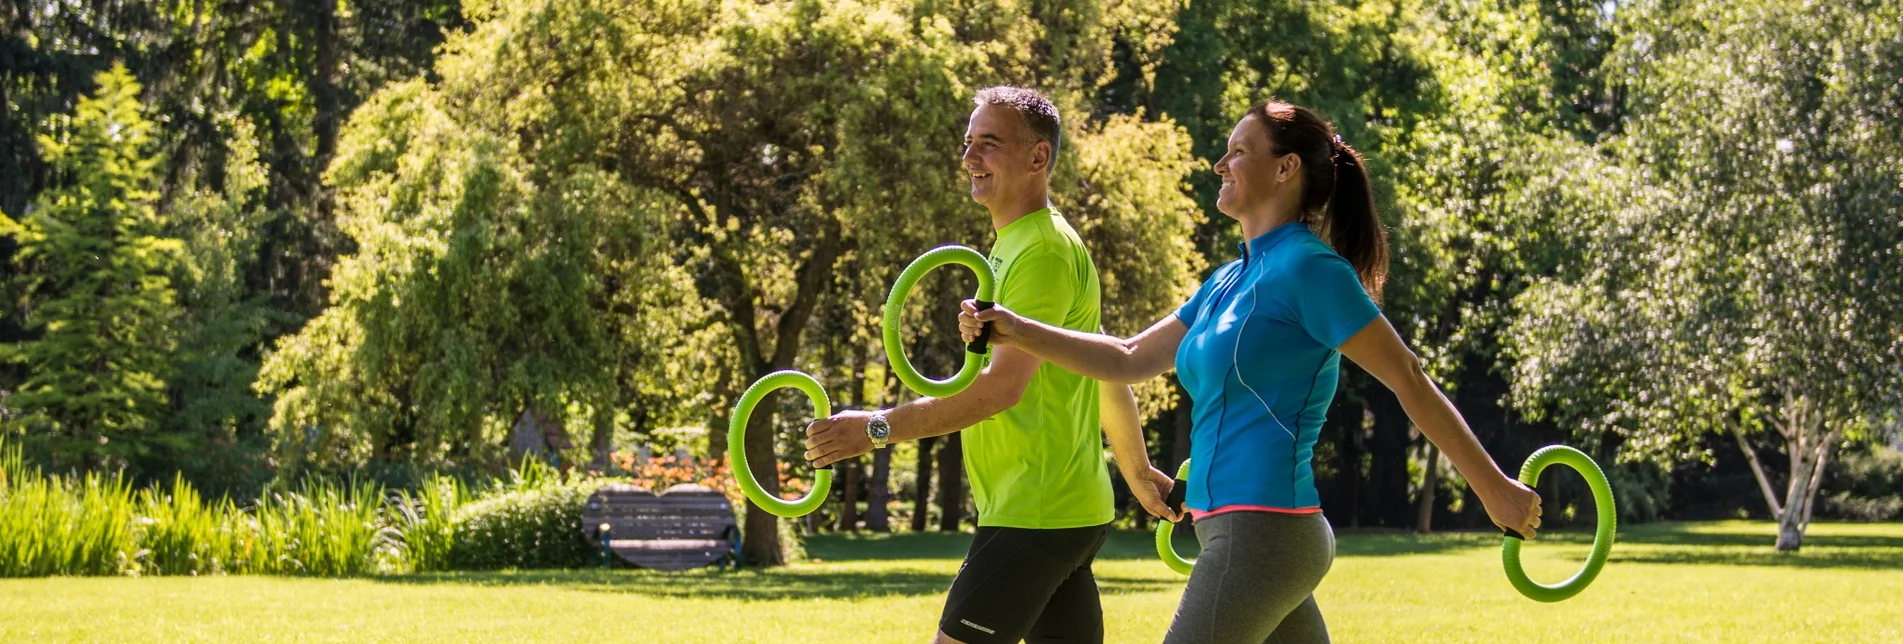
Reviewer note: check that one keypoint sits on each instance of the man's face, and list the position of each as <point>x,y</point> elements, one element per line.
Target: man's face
<point>1002,159</point>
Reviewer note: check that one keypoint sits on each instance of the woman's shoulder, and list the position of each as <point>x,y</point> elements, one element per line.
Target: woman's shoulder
<point>1307,253</point>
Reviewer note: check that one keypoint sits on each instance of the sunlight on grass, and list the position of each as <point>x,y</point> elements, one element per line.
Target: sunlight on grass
<point>1715,582</point>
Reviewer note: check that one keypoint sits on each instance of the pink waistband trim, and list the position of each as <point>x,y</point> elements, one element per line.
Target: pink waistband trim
<point>1199,514</point>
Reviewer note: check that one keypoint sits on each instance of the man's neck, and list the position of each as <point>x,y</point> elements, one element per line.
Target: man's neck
<point>1008,214</point>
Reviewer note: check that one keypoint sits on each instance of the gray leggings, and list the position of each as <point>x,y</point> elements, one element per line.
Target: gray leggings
<point>1255,580</point>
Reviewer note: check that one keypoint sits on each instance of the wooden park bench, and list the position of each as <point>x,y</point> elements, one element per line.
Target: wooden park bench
<point>685,526</point>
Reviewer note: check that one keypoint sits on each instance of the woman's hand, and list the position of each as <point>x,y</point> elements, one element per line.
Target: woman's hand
<point>1514,506</point>
<point>1004,323</point>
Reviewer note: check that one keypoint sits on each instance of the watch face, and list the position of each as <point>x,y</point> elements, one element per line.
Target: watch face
<point>878,428</point>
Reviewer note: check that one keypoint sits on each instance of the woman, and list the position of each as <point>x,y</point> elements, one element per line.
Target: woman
<point>1258,347</point>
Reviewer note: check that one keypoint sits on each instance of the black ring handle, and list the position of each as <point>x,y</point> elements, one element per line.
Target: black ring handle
<point>978,344</point>
<point>1178,492</point>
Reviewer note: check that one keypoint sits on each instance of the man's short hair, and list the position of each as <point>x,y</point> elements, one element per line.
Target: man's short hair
<point>1038,112</point>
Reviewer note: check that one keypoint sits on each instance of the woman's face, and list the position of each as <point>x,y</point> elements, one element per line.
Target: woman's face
<point>1252,173</point>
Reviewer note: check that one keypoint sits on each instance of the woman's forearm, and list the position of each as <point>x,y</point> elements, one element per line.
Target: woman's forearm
<point>1091,355</point>
<point>1441,423</point>
<point>1103,357</point>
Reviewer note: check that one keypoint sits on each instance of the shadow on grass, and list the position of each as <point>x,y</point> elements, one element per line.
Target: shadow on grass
<point>923,564</point>
<point>709,583</point>
<point>1119,545</point>
<point>824,580</point>
<point>1667,543</point>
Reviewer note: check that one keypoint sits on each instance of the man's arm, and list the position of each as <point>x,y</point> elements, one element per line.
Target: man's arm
<point>1122,424</point>
<point>997,388</point>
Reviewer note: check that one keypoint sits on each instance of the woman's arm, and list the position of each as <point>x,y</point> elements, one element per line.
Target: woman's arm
<point>1092,355</point>
<point>1379,350</point>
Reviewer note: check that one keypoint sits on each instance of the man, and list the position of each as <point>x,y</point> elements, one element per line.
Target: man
<point>1032,450</point>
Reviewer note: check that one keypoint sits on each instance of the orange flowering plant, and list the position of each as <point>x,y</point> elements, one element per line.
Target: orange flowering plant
<point>658,473</point>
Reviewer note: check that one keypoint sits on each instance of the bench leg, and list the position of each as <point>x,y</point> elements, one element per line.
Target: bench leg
<point>733,535</point>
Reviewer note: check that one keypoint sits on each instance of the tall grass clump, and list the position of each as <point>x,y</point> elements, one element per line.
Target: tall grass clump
<point>55,526</point>
<point>325,529</point>
<point>180,534</point>
<point>426,522</point>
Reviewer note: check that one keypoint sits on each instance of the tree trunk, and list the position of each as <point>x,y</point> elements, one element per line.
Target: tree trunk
<point>1810,447</point>
<point>877,516</point>
<point>922,488</point>
<point>526,439</point>
<point>1424,512</point>
<point>760,540</point>
<point>1387,467</point>
<point>951,484</point>
<point>1809,457</point>
<point>601,443</point>
<point>849,477</point>
<point>1179,432</point>
<point>323,84</point>
<point>1358,445</point>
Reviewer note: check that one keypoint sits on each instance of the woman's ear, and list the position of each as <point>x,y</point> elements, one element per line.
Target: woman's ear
<point>1288,168</point>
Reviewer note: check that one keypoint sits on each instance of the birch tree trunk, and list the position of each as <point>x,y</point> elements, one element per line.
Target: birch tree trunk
<point>1810,444</point>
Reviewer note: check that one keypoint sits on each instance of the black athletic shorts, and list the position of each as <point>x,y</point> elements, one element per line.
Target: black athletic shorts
<point>1030,585</point>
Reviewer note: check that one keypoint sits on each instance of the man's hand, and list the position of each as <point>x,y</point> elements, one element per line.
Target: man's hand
<point>1152,489</point>
<point>843,436</point>
<point>1004,323</point>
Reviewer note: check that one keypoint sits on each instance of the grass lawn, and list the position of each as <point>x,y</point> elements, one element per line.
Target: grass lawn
<point>1713,582</point>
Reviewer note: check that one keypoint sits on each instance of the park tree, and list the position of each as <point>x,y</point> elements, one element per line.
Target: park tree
<point>97,275</point>
<point>1508,87</point>
<point>740,155</point>
<point>212,432</point>
<point>1739,244</point>
<point>493,292</point>
<point>245,98</point>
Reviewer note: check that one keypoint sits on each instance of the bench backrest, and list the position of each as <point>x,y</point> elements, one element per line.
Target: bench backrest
<point>684,511</point>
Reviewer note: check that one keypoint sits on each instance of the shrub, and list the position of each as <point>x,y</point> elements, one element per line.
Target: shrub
<point>1868,486</point>
<point>536,527</point>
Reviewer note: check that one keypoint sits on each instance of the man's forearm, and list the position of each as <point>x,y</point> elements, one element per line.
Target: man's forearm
<point>928,417</point>
<point>1122,424</point>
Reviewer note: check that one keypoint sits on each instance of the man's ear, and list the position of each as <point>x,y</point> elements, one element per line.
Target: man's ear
<point>1041,156</point>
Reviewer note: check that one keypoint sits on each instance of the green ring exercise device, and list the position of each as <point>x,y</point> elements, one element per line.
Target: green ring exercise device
<point>1601,541</point>
<point>737,444</point>
<point>895,305</point>
<point>1175,561</point>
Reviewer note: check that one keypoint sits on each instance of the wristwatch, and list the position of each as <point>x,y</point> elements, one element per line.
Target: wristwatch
<point>878,430</point>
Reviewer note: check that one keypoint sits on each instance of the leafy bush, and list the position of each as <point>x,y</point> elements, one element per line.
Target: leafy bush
<point>1642,491</point>
<point>1869,486</point>
<point>528,527</point>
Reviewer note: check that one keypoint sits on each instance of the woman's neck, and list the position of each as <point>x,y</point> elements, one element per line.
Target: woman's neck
<point>1255,224</point>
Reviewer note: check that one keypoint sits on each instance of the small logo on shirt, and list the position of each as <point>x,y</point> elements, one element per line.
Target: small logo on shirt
<point>987,631</point>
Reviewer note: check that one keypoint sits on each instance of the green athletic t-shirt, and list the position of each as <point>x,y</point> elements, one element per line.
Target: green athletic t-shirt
<point>1040,464</point>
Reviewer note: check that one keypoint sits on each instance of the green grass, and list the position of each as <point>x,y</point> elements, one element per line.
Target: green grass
<point>1712,582</point>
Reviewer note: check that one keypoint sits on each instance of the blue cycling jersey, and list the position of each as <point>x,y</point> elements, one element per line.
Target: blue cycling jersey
<point>1260,365</point>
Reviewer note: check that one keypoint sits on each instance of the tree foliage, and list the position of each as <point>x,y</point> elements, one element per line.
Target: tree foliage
<point>98,274</point>
<point>1739,244</point>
